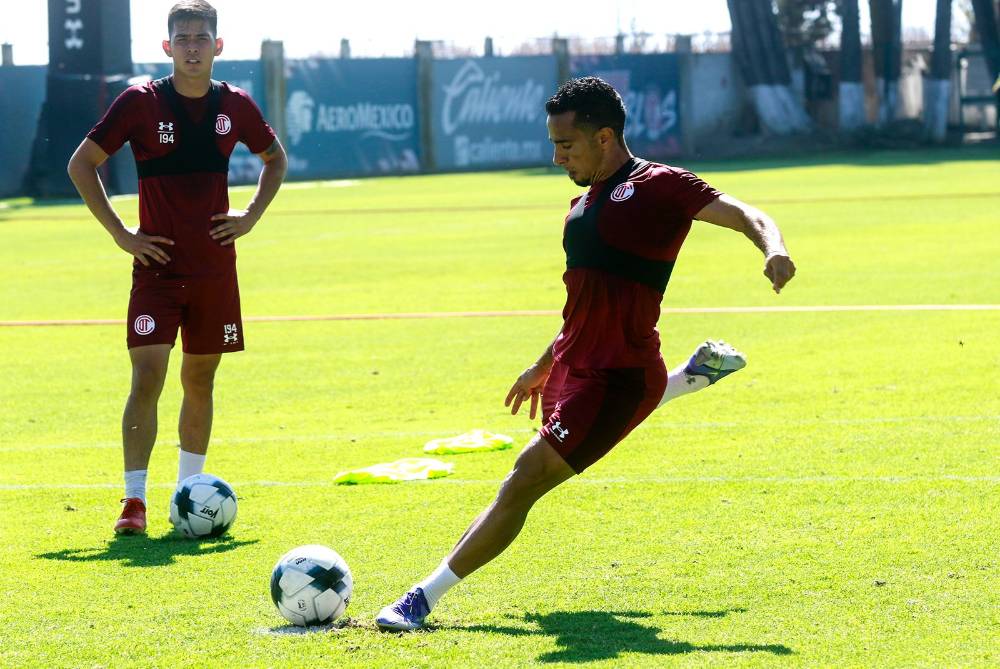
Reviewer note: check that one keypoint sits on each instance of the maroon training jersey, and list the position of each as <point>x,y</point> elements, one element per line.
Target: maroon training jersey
<point>621,242</point>
<point>182,148</point>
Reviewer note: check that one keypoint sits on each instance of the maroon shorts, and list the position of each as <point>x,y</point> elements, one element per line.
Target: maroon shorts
<point>586,412</point>
<point>206,309</point>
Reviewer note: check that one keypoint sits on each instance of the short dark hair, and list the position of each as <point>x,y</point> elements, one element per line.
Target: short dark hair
<point>595,101</point>
<point>192,10</point>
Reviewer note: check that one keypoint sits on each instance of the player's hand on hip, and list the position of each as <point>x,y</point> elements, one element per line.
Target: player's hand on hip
<point>235,224</point>
<point>144,247</point>
<point>779,269</point>
<point>528,386</point>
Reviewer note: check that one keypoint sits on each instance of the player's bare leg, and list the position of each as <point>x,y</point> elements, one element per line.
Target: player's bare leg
<point>538,469</point>
<point>139,422</point>
<point>195,424</point>
<point>149,370</point>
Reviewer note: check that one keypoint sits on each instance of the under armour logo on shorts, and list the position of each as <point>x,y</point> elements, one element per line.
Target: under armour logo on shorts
<point>559,431</point>
<point>230,334</point>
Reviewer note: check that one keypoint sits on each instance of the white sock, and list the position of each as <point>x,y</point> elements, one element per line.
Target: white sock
<point>189,464</point>
<point>438,583</point>
<point>135,484</point>
<point>680,383</point>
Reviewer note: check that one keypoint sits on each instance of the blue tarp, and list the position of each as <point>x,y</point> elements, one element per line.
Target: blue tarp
<point>22,92</point>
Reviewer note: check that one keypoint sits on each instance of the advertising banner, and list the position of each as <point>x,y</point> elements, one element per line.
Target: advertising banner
<point>650,86</point>
<point>490,112</point>
<point>352,117</point>
<point>88,37</point>
<point>22,92</point>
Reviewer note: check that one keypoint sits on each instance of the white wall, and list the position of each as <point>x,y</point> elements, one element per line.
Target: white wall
<point>713,98</point>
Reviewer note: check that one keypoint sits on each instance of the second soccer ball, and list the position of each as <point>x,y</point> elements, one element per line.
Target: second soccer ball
<point>203,506</point>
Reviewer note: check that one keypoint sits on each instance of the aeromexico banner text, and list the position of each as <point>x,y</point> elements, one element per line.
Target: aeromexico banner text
<point>650,86</point>
<point>490,112</point>
<point>348,117</point>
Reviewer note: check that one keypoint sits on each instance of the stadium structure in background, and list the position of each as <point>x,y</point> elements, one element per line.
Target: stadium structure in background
<point>89,65</point>
<point>451,110</point>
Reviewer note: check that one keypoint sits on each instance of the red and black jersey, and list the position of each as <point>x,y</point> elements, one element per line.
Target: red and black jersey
<point>621,241</point>
<point>182,147</point>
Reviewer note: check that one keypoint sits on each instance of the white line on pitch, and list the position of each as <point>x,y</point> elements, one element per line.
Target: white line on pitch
<point>618,480</point>
<point>343,437</point>
<point>544,312</point>
<point>650,427</point>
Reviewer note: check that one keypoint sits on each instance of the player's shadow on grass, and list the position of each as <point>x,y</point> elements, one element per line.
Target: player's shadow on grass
<point>144,551</point>
<point>586,636</point>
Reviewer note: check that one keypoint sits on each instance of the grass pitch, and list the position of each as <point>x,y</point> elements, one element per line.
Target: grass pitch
<point>834,504</point>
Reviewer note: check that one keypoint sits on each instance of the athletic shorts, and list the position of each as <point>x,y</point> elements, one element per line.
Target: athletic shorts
<point>206,309</point>
<point>586,412</point>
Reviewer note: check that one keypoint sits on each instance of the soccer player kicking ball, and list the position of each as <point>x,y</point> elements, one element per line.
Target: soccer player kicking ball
<point>182,130</point>
<point>603,374</point>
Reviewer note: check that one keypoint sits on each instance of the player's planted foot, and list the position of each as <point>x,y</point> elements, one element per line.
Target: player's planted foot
<point>715,360</point>
<point>406,614</point>
<point>133,518</point>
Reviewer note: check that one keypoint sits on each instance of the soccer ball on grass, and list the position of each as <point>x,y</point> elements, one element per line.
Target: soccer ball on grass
<point>311,585</point>
<point>203,506</point>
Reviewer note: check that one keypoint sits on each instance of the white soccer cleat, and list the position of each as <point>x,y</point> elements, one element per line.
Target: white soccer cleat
<point>715,360</point>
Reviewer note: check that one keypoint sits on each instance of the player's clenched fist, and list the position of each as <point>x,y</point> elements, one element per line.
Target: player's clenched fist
<point>779,270</point>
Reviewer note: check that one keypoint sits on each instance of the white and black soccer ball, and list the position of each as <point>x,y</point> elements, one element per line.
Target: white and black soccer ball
<point>311,585</point>
<point>203,506</point>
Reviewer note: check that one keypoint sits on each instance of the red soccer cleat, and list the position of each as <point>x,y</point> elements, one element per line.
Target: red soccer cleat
<point>133,518</point>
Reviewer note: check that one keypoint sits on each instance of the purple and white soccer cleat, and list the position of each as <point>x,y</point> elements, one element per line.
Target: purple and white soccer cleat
<point>406,614</point>
<point>715,360</point>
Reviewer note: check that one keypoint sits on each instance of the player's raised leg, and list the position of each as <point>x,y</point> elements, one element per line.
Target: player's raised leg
<point>711,361</point>
<point>149,369</point>
<point>195,424</point>
<point>538,469</point>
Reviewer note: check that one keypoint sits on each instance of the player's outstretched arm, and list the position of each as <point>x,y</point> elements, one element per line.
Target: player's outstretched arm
<point>82,170</point>
<point>235,223</point>
<point>759,228</point>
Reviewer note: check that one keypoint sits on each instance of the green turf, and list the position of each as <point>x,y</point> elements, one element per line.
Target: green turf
<point>834,504</point>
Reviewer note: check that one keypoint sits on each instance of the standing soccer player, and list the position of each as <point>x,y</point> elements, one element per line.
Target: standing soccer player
<point>182,130</point>
<point>603,374</point>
